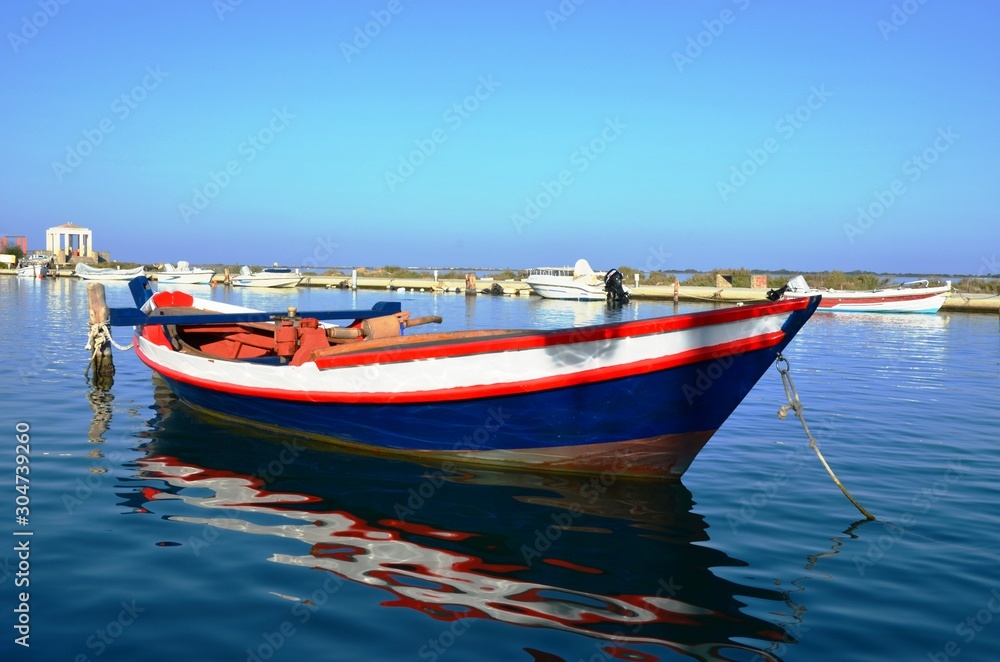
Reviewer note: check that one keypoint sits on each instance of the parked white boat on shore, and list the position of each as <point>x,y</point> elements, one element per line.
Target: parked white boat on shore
<point>183,274</point>
<point>912,297</point>
<point>87,272</point>
<point>34,266</point>
<point>268,277</point>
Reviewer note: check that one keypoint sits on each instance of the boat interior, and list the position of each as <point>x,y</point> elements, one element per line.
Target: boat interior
<point>298,340</point>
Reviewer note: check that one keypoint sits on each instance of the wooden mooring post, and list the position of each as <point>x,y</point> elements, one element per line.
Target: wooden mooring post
<point>101,361</point>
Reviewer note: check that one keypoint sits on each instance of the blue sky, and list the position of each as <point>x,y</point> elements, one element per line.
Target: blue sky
<point>661,135</point>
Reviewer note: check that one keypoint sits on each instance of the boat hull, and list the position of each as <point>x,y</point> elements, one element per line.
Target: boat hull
<point>263,281</point>
<point>33,271</point>
<point>577,283</point>
<point>567,291</point>
<point>639,398</point>
<point>90,273</point>
<point>927,300</point>
<point>192,278</point>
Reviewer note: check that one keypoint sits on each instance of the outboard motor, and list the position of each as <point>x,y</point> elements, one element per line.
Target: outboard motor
<point>797,284</point>
<point>616,291</point>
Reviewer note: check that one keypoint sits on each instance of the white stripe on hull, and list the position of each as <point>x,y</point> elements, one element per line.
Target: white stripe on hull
<point>505,367</point>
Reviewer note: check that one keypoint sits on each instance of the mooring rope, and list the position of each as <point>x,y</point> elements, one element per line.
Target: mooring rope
<point>100,334</point>
<point>795,404</point>
<point>718,299</point>
<point>964,295</point>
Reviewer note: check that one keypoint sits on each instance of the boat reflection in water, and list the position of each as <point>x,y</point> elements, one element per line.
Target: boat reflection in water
<point>621,561</point>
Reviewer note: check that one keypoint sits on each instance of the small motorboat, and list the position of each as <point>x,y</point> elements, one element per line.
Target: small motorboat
<point>579,282</point>
<point>184,274</point>
<point>35,265</point>
<point>268,277</point>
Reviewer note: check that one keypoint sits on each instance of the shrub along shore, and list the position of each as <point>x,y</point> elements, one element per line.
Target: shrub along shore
<point>970,294</point>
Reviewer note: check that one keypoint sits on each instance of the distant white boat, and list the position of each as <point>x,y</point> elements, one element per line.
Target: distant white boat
<point>579,282</point>
<point>184,274</point>
<point>269,277</point>
<point>913,297</point>
<point>87,272</point>
<point>34,266</point>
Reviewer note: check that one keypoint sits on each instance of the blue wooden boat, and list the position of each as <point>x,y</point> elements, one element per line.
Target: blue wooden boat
<point>633,398</point>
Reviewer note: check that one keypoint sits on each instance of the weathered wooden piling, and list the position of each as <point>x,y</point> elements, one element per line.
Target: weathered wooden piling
<point>101,360</point>
<point>470,285</point>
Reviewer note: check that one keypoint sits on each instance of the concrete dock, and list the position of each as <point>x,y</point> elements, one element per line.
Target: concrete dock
<point>957,302</point>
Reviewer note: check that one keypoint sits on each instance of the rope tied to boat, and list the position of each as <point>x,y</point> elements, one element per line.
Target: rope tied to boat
<point>100,334</point>
<point>795,405</point>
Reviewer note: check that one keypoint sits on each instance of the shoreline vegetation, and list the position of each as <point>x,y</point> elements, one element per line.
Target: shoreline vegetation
<point>736,278</point>
<point>740,278</point>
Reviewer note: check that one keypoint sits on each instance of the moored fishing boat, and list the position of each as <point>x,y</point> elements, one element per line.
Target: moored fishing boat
<point>184,274</point>
<point>912,297</point>
<point>32,269</point>
<point>268,277</point>
<point>87,272</point>
<point>35,265</point>
<point>638,397</point>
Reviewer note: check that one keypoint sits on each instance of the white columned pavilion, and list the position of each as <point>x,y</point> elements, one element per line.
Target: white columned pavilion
<point>68,239</point>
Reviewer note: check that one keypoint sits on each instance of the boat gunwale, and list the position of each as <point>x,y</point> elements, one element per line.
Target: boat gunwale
<point>545,383</point>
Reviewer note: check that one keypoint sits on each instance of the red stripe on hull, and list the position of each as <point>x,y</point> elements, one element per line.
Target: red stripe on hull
<point>829,302</point>
<point>384,355</point>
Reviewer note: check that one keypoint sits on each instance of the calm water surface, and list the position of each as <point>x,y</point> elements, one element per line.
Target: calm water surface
<point>159,534</point>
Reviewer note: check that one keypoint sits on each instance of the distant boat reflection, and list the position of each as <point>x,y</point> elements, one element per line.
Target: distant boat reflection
<point>622,561</point>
